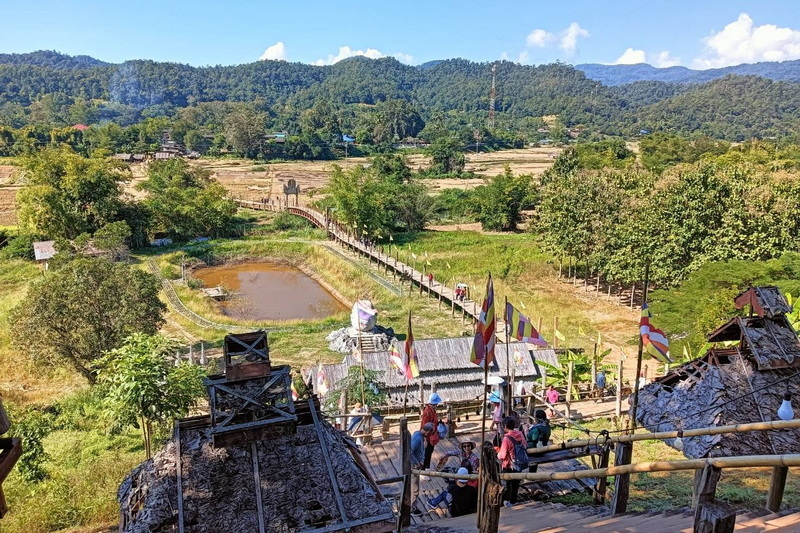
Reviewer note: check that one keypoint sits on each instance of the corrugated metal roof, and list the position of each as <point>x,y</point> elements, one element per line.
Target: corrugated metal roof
<point>445,363</point>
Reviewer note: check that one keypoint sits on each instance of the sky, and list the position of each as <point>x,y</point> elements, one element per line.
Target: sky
<point>697,34</point>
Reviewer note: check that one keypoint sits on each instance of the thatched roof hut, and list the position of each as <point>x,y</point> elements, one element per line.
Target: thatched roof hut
<point>445,364</point>
<point>733,384</point>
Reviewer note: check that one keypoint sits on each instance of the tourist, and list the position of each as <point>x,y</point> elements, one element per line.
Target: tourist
<point>461,497</point>
<point>506,456</point>
<point>497,415</point>
<point>418,446</point>
<point>467,457</point>
<point>429,417</point>
<point>642,380</point>
<point>552,398</point>
<point>601,385</point>
<point>538,434</point>
<point>430,279</point>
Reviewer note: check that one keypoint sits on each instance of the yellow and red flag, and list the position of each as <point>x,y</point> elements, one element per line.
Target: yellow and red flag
<point>411,363</point>
<point>483,345</point>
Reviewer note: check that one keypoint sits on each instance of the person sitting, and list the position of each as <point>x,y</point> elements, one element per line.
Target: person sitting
<point>468,457</point>
<point>461,497</point>
<point>538,434</point>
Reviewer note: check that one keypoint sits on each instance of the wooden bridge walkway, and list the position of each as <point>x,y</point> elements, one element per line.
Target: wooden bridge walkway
<point>345,238</point>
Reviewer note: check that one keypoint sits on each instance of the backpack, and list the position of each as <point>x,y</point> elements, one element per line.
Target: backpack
<point>519,456</point>
<point>543,435</point>
<point>466,464</point>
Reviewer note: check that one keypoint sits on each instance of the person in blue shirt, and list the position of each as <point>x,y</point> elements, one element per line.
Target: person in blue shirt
<point>419,441</point>
<point>601,385</point>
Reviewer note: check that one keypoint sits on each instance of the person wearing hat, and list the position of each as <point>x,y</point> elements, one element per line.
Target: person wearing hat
<point>429,417</point>
<point>461,497</point>
<point>469,459</point>
<point>497,414</point>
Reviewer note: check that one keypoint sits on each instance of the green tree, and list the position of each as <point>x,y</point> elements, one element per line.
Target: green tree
<point>144,388</point>
<point>245,130</point>
<point>85,308</point>
<point>501,200</point>
<point>185,202</point>
<point>447,156</point>
<point>64,194</point>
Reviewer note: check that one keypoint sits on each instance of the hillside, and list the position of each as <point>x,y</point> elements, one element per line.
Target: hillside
<point>621,74</point>
<point>55,90</point>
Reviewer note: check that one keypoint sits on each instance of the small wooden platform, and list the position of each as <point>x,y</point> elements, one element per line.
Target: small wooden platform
<point>218,293</point>
<point>383,461</point>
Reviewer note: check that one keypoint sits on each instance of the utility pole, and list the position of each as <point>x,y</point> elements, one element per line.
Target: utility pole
<point>492,97</point>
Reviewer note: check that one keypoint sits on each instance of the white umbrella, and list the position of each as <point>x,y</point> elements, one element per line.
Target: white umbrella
<point>495,380</point>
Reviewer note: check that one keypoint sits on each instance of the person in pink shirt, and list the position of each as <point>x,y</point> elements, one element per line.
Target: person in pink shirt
<point>506,455</point>
<point>552,398</point>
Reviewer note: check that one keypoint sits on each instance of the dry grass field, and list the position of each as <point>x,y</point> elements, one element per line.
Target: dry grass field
<point>8,193</point>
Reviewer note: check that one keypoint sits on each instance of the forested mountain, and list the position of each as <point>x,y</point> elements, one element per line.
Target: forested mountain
<point>356,96</point>
<point>622,74</point>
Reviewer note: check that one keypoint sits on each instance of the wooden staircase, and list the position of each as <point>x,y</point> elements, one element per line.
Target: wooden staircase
<point>537,517</point>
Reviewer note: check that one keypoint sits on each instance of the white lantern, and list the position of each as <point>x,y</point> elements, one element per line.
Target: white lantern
<point>785,411</point>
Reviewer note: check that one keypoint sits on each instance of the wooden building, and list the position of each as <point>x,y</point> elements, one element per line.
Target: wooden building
<point>445,365</point>
<point>743,378</point>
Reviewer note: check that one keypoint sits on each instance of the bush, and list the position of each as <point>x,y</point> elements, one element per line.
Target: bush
<point>32,425</point>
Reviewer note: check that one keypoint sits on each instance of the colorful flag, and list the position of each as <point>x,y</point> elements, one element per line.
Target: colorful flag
<point>396,359</point>
<point>483,344</point>
<point>357,355</point>
<point>322,382</point>
<point>411,363</point>
<point>558,335</point>
<point>654,340</point>
<point>581,332</point>
<point>521,328</point>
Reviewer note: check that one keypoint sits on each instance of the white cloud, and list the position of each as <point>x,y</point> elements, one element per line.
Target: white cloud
<point>664,60</point>
<point>631,57</point>
<point>741,42</point>
<point>276,51</point>
<point>569,37</point>
<point>539,38</point>
<point>346,51</point>
<point>523,57</point>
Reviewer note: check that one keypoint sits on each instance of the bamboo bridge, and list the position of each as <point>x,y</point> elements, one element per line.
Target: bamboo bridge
<point>345,237</point>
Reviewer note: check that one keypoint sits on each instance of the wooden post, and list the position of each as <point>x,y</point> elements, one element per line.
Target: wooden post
<point>490,491</point>
<point>404,517</point>
<point>599,497</point>
<point>776,485</point>
<point>619,389</point>
<point>622,456</point>
<point>710,516</point>
<point>633,291</point>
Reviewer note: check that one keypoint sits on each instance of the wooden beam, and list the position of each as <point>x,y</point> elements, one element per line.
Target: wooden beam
<point>623,455</point>
<point>714,517</point>
<point>179,477</point>
<point>491,489</point>
<point>328,465</point>
<point>599,497</point>
<point>257,482</point>
<point>705,488</point>
<point>777,483</point>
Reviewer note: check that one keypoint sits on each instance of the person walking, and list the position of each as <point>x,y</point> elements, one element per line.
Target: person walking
<point>429,417</point>
<point>418,445</point>
<point>506,455</point>
<point>601,385</point>
<point>538,434</point>
<point>552,398</point>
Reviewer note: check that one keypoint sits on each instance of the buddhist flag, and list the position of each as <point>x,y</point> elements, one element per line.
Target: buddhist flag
<point>448,265</point>
<point>322,382</point>
<point>427,262</point>
<point>654,340</point>
<point>391,239</point>
<point>411,363</point>
<point>483,344</point>
<point>396,359</point>
<point>414,256</point>
<point>521,328</point>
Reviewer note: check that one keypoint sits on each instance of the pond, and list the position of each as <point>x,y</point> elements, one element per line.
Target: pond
<point>270,291</point>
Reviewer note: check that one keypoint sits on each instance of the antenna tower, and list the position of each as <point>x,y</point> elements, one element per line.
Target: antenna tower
<point>492,97</point>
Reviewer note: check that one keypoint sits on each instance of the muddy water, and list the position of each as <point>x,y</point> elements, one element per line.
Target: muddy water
<point>269,291</point>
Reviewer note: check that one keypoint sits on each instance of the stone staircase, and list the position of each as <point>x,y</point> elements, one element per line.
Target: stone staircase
<point>537,517</point>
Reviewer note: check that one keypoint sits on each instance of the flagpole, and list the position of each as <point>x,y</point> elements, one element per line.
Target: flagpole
<point>639,354</point>
<point>485,386</point>
<point>361,362</point>
<point>508,360</point>
<point>407,365</point>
